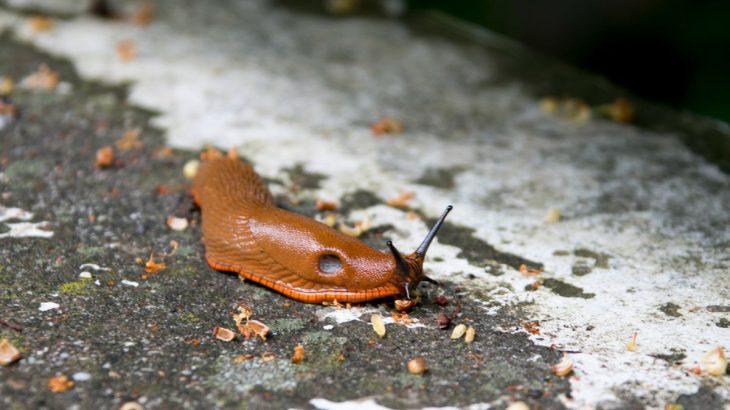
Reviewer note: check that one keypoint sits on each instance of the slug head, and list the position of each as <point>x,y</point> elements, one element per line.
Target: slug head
<point>410,268</point>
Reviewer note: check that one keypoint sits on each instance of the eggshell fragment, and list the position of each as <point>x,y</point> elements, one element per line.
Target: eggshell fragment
<point>221,333</point>
<point>8,353</point>
<point>714,362</point>
<point>298,355</point>
<point>564,368</point>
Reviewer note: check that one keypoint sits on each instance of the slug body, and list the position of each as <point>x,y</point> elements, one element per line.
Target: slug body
<point>244,232</point>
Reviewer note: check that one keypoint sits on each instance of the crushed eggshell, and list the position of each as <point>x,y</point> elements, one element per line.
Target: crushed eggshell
<point>104,157</point>
<point>552,216</point>
<point>59,384</point>
<point>224,334</point>
<point>245,310</point>
<point>40,23</point>
<point>417,366</point>
<point>564,367</point>
<point>298,355</point>
<point>458,331</point>
<point>153,267</point>
<point>631,346</point>
<point>404,305</point>
<point>532,327</point>
<point>129,140</point>
<point>242,358</point>
<point>386,125</point>
<point>210,153</point>
<point>401,201</point>
<point>162,152</point>
<point>255,328</point>
<point>126,51</point>
<point>144,14</point>
<point>9,354</point>
<point>177,224</point>
<point>42,79</point>
<point>714,362</point>
<point>190,169</point>
<point>530,271</point>
<point>377,321</point>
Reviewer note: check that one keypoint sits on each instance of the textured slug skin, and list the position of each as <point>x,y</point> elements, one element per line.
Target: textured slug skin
<point>244,232</point>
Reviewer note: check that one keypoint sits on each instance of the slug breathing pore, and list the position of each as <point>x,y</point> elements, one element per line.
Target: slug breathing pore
<point>244,232</point>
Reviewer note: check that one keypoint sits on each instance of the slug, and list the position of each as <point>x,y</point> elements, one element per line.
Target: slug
<point>244,232</point>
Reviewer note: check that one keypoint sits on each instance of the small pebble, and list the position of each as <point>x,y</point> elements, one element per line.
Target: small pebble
<point>177,224</point>
<point>81,376</point>
<point>130,283</point>
<point>48,306</point>
<point>85,275</point>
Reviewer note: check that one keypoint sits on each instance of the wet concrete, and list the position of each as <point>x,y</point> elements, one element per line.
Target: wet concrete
<point>153,343</point>
<point>641,247</point>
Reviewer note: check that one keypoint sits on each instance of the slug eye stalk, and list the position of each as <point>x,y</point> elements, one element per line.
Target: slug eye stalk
<point>423,248</point>
<point>410,268</point>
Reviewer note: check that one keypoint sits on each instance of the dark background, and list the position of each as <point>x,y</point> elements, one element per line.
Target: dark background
<point>676,52</point>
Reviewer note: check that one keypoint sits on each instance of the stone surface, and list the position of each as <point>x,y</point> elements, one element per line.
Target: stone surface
<point>641,246</point>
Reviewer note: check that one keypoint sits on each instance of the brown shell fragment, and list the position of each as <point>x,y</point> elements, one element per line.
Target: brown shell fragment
<point>8,353</point>
<point>59,384</point>
<point>298,355</point>
<point>224,334</point>
<point>714,362</point>
<point>443,321</point>
<point>42,79</point>
<point>404,305</point>
<point>255,328</point>
<point>104,157</point>
<point>386,125</point>
<point>564,368</point>
<point>417,365</point>
<point>401,201</point>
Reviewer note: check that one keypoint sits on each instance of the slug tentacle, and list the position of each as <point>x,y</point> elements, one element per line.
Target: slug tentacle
<point>410,268</point>
<point>244,232</point>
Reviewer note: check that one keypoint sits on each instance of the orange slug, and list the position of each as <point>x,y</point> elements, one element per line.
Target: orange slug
<point>244,232</point>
